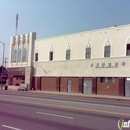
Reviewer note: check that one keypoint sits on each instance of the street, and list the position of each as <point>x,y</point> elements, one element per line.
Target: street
<point>24,111</point>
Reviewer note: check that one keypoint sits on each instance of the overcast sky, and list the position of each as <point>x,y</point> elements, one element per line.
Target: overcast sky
<point>50,18</point>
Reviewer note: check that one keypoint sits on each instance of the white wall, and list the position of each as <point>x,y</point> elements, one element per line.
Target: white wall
<point>22,41</point>
<point>117,36</point>
<point>83,68</point>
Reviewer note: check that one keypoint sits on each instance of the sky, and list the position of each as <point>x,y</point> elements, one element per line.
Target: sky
<point>49,18</point>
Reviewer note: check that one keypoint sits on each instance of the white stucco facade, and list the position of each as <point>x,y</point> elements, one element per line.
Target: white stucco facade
<point>116,37</point>
<point>25,41</point>
<point>92,55</point>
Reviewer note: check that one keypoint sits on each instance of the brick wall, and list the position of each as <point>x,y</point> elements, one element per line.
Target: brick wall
<point>75,84</point>
<point>108,88</point>
<point>49,84</point>
<point>17,82</point>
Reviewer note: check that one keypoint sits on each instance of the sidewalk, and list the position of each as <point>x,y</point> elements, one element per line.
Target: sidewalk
<point>89,96</point>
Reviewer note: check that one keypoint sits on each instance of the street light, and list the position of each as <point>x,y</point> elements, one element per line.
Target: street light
<point>2,63</point>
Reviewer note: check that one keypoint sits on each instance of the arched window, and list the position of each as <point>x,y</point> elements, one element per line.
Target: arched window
<point>19,55</point>
<point>88,51</point>
<point>107,49</point>
<point>24,55</point>
<point>128,47</point>
<point>36,56</point>
<point>51,54</point>
<point>68,53</point>
<point>15,56</point>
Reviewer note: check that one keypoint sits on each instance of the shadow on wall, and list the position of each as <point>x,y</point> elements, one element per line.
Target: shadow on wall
<point>44,71</point>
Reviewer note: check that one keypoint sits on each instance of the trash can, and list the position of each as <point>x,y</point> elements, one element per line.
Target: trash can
<point>6,87</point>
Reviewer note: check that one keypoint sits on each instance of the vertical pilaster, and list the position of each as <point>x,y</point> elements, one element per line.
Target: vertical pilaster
<point>27,57</point>
<point>11,50</point>
<point>29,67</point>
<point>94,85</point>
<point>80,84</point>
<point>22,46</point>
<point>17,42</point>
<point>28,76</point>
<point>32,37</point>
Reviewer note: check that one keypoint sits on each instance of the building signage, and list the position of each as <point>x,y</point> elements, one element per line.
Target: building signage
<point>106,65</point>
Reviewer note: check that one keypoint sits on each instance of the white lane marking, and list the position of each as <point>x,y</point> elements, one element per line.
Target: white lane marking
<point>55,115</point>
<point>11,127</point>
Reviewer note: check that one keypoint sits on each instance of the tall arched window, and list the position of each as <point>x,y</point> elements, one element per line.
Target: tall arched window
<point>19,55</point>
<point>24,55</point>
<point>68,53</point>
<point>15,56</point>
<point>128,47</point>
<point>88,51</point>
<point>107,50</point>
<point>36,55</point>
<point>51,54</point>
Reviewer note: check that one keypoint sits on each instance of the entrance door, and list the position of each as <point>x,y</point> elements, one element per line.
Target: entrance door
<point>127,88</point>
<point>87,87</point>
<point>69,85</point>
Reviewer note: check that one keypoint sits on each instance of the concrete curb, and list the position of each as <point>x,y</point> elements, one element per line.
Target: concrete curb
<point>99,97</point>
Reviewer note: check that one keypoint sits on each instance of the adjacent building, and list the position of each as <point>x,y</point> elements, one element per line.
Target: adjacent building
<point>93,62</point>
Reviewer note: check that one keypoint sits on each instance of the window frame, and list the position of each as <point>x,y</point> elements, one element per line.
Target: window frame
<point>128,50</point>
<point>24,58</point>
<point>15,56</point>
<point>107,52</point>
<point>36,56</point>
<point>19,55</point>
<point>51,56</point>
<point>68,54</point>
<point>88,53</point>
<point>107,80</point>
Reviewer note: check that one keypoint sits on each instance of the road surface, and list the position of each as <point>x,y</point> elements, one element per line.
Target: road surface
<point>24,111</point>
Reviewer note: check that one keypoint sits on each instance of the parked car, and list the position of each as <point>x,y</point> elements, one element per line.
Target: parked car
<point>23,87</point>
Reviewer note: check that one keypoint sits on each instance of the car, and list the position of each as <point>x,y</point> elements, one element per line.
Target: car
<point>23,87</point>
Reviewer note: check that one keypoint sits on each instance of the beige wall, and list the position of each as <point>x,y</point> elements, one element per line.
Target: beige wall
<point>22,41</point>
<point>84,68</point>
<point>116,36</point>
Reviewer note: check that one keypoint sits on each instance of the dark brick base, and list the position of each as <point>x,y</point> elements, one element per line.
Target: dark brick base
<point>60,84</point>
<point>115,89</point>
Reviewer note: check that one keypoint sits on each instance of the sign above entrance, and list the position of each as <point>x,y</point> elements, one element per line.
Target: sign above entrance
<point>106,65</point>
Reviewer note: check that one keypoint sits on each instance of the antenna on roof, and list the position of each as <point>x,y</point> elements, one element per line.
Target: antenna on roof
<point>16,32</point>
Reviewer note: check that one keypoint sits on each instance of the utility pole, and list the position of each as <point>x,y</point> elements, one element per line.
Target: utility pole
<point>2,63</point>
<point>5,62</point>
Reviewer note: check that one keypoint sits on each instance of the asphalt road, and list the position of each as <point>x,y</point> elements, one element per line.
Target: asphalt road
<point>47,112</point>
